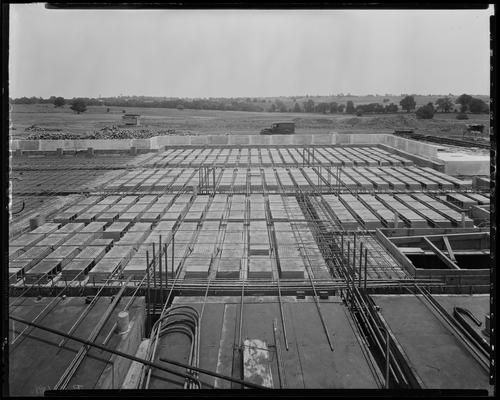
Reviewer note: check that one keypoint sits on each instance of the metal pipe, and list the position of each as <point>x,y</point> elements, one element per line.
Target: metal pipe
<point>140,360</point>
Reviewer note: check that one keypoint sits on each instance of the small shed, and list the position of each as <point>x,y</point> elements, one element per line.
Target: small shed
<point>132,119</point>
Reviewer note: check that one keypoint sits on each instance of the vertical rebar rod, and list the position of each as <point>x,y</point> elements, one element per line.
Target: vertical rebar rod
<point>160,248</point>
<point>148,311</point>
<point>166,268</point>
<point>173,248</point>
<point>154,266</point>
<point>360,263</point>
<point>348,271</point>
<point>387,358</point>
<point>366,265</point>
<point>354,260</point>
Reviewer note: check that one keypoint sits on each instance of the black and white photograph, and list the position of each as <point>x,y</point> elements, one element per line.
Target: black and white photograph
<point>268,200</point>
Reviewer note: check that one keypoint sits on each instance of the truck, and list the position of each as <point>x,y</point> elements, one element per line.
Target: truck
<point>285,128</point>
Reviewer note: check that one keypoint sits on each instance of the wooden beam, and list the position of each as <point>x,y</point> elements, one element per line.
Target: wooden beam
<point>449,263</point>
<point>448,248</point>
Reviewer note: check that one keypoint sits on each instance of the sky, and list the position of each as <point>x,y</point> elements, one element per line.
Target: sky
<point>246,53</point>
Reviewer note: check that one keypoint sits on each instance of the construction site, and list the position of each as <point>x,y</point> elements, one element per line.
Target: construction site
<point>329,261</point>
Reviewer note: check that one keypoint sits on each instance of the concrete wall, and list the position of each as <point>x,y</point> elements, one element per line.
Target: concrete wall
<point>412,146</point>
<point>422,152</point>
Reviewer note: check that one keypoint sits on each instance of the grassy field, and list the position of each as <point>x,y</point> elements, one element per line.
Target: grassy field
<point>232,122</point>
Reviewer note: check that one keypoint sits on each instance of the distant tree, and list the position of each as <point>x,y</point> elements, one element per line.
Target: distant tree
<point>425,112</point>
<point>349,109</point>
<point>296,108</point>
<point>308,106</point>
<point>462,115</point>
<point>180,106</point>
<point>124,111</point>
<point>391,108</point>
<point>463,108</point>
<point>107,109</point>
<point>444,104</point>
<point>78,105</point>
<point>322,108</point>
<point>408,103</point>
<point>280,106</point>
<point>59,102</point>
<point>272,108</point>
<point>334,107</point>
<point>340,108</point>
<point>386,100</point>
<point>464,100</point>
<point>478,106</point>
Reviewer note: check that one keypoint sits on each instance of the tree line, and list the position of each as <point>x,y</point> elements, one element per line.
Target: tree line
<point>466,102</point>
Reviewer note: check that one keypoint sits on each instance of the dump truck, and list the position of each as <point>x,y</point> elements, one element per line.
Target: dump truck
<point>286,128</point>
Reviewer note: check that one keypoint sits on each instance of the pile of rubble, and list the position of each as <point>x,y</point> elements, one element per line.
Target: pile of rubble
<point>115,132</point>
<point>48,134</point>
<point>108,132</point>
